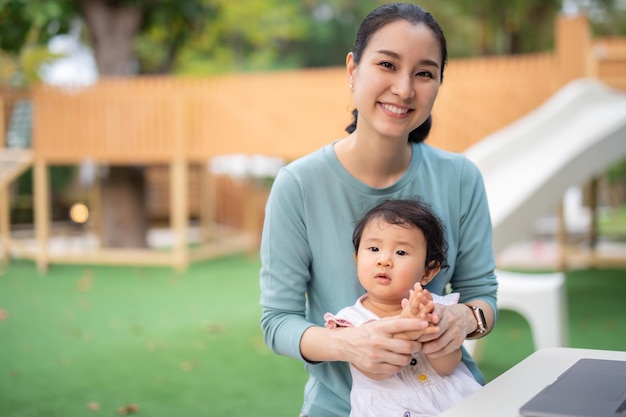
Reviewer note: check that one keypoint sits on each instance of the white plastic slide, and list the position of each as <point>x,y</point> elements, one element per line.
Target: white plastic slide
<point>528,165</point>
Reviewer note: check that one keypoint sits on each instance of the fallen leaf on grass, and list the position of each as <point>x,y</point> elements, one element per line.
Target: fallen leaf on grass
<point>188,365</point>
<point>128,409</point>
<point>215,328</point>
<point>93,406</point>
<point>84,283</point>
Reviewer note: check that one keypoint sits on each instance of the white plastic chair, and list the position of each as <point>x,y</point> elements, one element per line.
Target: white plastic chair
<point>540,299</point>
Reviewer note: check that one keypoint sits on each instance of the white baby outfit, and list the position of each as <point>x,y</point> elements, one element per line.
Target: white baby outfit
<point>416,391</point>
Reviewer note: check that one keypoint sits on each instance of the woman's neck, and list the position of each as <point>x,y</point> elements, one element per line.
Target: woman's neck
<point>378,163</point>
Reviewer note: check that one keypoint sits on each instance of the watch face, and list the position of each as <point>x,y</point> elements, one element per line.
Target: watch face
<point>482,319</point>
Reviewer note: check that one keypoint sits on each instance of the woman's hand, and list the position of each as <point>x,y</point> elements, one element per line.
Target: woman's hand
<point>453,326</point>
<point>373,349</point>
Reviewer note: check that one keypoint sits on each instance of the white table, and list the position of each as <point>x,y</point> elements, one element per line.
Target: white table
<point>503,396</point>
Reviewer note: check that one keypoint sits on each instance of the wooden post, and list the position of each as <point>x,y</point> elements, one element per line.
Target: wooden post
<point>3,126</point>
<point>207,202</point>
<point>41,188</point>
<point>179,180</point>
<point>94,198</point>
<point>573,40</point>
<point>5,222</point>
<point>179,209</point>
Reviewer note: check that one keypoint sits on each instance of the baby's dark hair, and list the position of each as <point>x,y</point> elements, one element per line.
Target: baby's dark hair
<point>409,213</point>
<point>389,13</point>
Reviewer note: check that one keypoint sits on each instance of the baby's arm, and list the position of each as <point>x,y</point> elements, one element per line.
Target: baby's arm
<point>421,305</point>
<point>445,365</point>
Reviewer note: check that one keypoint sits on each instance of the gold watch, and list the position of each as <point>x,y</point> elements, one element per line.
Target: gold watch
<point>480,319</point>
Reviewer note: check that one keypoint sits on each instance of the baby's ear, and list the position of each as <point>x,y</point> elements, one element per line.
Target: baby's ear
<point>432,269</point>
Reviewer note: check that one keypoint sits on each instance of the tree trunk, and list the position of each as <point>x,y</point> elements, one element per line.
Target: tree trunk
<point>124,218</point>
<point>113,27</point>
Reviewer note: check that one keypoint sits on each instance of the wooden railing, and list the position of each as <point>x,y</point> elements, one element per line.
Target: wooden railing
<point>152,120</point>
<point>610,58</point>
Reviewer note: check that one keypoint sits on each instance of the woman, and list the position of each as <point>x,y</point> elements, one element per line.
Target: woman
<point>394,71</point>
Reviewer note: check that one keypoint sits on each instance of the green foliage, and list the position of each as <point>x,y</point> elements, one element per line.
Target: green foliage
<point>332,26</point>
<point>168,26</point>
<point>497,27</point>
<point>36,21</point>
<point>14,26</point>
<point>617,172</point>
<point>216,36</point>
<point>245,35</point>
<point>30,60</point>
<point>608,17</point>
<point>25,28</point>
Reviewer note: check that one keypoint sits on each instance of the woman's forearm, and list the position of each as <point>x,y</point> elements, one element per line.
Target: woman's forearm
<point>319,344</point>
<point>370,347</point>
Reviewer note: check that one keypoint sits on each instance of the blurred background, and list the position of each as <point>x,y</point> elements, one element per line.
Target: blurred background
<point>239,55</point>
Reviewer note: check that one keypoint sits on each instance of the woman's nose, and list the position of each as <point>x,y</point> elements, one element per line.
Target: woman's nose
<point>403,87</point>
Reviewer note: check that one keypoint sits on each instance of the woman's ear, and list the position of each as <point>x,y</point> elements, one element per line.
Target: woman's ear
<point>350,68</point>
<point>433,269</point>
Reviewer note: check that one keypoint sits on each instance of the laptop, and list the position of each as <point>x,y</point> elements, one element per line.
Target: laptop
<point>589,388</point>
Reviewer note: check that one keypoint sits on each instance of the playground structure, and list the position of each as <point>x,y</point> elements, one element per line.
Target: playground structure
<point>178,125</point>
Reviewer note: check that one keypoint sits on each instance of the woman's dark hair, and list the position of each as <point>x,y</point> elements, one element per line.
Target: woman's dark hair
<point>390,13</point>
<point>410,214</point>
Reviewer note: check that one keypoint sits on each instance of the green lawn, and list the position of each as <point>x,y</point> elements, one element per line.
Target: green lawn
<point>88,340</point>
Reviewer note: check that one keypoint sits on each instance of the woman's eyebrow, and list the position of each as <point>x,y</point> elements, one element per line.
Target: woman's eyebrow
<point>396,55</point>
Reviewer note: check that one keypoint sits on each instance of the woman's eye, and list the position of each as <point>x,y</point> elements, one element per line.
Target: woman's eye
<point>387,65</point>
<point>426,74</point>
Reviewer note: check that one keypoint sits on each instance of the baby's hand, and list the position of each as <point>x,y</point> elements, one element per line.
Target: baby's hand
<point>418,305</point>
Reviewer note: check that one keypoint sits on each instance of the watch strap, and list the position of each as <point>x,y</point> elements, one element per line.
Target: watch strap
<point>480,320</point>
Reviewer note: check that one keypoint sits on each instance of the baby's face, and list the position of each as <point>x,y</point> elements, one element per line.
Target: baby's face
<point>390,260</point>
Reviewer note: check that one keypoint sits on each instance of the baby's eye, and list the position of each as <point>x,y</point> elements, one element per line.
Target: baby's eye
<point>387,65</point>
<point>373,249</point>
<point>401,253</point>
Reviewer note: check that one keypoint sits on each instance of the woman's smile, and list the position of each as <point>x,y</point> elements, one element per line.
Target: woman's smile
<point>396,111</point>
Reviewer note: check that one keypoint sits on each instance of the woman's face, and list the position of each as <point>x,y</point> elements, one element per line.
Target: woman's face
<point>397,79</point>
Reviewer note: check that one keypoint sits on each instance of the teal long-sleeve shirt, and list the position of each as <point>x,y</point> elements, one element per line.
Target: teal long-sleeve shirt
<point>307,256</point>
